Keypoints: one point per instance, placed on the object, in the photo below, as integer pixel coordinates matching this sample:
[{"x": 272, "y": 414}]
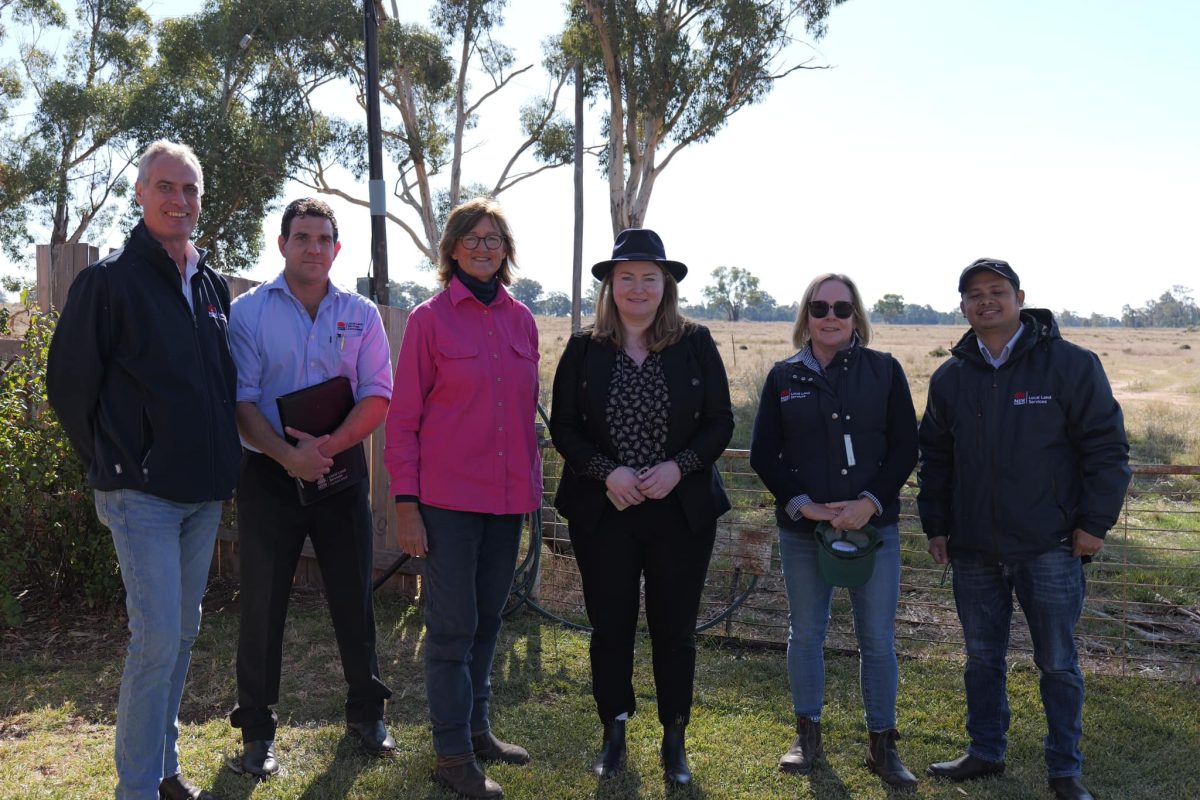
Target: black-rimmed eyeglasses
[
  {"x": 819, "y": 309},
  {"x": 491, "y": 241}
]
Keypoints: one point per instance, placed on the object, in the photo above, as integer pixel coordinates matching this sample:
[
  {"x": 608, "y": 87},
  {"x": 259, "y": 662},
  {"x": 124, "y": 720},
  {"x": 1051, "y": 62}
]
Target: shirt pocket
[
  {"x": 456, "y": 362},
  {"x": 523, "y": 368}
]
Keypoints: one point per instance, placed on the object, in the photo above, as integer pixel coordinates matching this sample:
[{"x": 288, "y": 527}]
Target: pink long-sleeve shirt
[{"x": 460, "y": 428}]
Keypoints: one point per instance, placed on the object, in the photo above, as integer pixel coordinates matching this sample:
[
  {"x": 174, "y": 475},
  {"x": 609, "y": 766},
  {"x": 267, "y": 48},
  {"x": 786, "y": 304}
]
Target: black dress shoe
[
  {"x": 257, "y": 759},
  {"x": 1070, "y": 788},
  {"x": 374, "y": 737},
  {"x": 964, "y": 769},
  {"x": 178, "y": 787}
]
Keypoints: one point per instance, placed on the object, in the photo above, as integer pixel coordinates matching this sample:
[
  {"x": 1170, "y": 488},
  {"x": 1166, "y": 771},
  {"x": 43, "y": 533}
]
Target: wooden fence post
[{"x": 53, "y": 281}]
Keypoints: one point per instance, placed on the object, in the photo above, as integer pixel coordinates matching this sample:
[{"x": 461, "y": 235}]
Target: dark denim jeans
[
  {"x": 468, "y": 575},
  {"x": 1050, "y": 588}
]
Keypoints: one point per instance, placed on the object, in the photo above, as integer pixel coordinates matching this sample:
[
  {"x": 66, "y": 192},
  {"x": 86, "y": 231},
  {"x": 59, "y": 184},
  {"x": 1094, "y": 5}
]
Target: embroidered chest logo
[
  {"x": 216, "y": 314},
  {"x": 346, "y": 327},
  {"x": 787, "y": 394},
  {"x": 1030, "y": 399}
]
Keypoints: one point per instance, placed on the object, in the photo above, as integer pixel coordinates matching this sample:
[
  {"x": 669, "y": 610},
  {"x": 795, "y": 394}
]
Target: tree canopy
[{"x": 673, "y": 73}]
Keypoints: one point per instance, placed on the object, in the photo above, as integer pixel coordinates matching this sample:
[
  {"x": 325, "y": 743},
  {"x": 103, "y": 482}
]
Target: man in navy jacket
[
  {"x": 1023, "y": 469},
  {"x": 142, "y": 379}
]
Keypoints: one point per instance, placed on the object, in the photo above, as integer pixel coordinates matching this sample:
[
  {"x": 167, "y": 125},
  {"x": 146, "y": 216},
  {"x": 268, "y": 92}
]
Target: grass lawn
[{"x": 58, "y": 690}]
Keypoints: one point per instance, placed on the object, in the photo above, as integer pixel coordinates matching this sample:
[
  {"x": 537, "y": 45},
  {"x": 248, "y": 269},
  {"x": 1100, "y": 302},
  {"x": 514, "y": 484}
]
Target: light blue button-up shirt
[{"x": 278, "y": 348}]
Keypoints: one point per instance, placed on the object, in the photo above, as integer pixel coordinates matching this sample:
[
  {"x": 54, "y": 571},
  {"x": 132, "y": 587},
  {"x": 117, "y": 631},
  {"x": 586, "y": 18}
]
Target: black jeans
[
  {"x": 651, "y": 540},
  {"x": 272, "y": 527}
]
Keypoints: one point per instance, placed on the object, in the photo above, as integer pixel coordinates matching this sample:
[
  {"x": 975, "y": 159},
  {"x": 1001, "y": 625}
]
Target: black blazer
[{"x": 700, "y": 420}]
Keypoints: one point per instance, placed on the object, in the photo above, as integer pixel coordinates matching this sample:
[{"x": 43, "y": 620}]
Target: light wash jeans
[
  {"x": 874, "y": 603},
  {"x": 1051, "y": 589},
  {"x": 164, "y": 549}
]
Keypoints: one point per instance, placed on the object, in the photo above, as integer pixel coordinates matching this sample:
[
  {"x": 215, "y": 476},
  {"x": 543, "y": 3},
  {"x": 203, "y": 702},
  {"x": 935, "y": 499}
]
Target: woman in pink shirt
[{"x": 465, "y": 468}]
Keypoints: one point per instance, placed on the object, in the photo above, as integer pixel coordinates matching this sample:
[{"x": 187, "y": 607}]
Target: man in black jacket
[
  {"x": 1024, "y": 466},
  {"x": 142, "y": 379}
]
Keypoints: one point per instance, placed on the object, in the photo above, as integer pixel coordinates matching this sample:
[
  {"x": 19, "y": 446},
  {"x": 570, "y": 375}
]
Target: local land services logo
[{"x": 1031, "y": 399}]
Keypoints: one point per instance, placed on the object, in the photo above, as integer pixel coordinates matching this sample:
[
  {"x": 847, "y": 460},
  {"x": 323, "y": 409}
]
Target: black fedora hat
[{"x": 640, "y": 244}]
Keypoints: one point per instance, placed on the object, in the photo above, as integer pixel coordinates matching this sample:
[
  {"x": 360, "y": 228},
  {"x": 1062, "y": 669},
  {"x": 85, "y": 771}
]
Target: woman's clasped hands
[{"x": 631, "y": 486}]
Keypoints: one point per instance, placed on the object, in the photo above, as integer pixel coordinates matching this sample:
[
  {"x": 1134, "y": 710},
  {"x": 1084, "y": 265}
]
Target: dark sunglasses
[{"x": 819, "y": 309}]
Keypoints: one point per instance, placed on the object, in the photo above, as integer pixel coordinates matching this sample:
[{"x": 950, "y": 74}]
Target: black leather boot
[
  {"x": 804, "y": 752},
  {"x": 884, "y": 760},
  {"x": 611, "y": 760},
  {"x": 674, "y": 758}
]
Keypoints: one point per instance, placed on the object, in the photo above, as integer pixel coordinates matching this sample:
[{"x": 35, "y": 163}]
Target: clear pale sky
[{"x": 1062, "y": 136}]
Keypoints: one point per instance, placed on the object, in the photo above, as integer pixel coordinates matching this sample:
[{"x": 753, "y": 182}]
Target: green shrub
[{"x": 51, "y": 544}]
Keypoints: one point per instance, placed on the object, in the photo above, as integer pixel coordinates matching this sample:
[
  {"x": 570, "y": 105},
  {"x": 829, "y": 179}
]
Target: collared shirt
[
  {"x": 190, "y": 269},
  {"x": 999, "y": 360},
  {"x": 278, "y": 348},
  {"x": 460, "y": 431},
  {"x": 809, "y": 359}
]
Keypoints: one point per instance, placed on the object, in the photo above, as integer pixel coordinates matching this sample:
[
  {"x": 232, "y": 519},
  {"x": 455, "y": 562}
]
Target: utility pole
[
  {"x": 372, "y": 10},
  {"x": 577, "y": 256}
]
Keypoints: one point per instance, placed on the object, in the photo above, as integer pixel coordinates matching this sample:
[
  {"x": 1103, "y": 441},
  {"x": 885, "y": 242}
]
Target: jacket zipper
[{"x": 212, "y": 466}]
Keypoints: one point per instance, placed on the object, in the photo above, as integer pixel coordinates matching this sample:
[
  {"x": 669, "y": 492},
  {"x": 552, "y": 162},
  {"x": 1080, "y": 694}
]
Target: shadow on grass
[{"x": 741, "y": 722}]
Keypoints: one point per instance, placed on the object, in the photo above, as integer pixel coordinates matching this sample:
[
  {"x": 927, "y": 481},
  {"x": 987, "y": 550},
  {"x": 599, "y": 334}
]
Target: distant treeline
[{"x": 1174, "y": 309}]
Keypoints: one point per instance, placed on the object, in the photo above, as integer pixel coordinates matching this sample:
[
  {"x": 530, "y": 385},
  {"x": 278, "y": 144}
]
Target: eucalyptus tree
[
  {"x": 236, "y": 81},
  {"x": 64, "y": 165},
  {"x": 673, "y": 72},
  {"x": 733, "y": 290},
  {"x": 434, "y": 81}
]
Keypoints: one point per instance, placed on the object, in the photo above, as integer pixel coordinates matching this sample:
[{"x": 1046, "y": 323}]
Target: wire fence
[{"x": 1142, "y": 614}]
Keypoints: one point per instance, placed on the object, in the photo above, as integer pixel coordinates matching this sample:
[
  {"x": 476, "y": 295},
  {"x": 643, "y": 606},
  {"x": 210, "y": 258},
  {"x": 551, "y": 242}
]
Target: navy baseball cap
[{"x": 995, "y": 265}]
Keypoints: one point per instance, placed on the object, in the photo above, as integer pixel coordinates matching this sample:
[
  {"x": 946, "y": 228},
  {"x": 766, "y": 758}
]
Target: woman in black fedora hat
[
  {"x": 834, "y": 440},
  {"x": 640, "y": 414}
]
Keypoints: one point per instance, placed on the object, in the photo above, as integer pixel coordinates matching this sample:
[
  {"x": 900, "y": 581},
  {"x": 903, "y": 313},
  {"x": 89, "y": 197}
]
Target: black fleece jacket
[{"x": 143, "y": 385}]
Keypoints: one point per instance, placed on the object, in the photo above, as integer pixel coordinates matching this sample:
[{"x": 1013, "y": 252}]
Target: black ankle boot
[
  {"x": 884, "y": 760},
  {"x": 611, "y": 760},
  {"x": 674, "y": 759}
]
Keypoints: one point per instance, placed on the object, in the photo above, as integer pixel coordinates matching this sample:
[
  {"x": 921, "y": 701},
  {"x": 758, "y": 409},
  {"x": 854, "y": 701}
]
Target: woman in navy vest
[{"x": 834, "y": 440}]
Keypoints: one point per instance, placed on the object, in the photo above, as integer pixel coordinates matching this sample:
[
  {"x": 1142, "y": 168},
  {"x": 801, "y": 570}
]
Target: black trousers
[
  {"x": 272, "y": 527},
  {"x": 651, "y": 540}
]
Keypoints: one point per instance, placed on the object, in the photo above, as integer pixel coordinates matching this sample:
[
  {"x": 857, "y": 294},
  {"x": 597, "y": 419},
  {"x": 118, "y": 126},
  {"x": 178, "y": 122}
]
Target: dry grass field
[{"x": 1155, "y": 373}]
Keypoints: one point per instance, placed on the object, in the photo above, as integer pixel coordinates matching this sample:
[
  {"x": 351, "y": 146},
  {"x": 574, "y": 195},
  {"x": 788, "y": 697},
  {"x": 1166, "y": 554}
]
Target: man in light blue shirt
[{"x": 295, "y": 331}]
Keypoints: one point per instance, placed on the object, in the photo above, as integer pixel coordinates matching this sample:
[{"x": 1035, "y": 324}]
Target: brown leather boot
[
  {"x": 461, "y": 773},
  {"x": 489, "y": 748},
  {"x": 804, "y": 752},
  {"x": 884, "y": 760}
]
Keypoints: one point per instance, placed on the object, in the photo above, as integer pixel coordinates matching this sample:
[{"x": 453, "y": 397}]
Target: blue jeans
[
  {"x": 874, "y": 603},
  {"x": 164, "y": 549},
  {"x": 1050, "y": 588},
  {"x": 468, "y": 575}
]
